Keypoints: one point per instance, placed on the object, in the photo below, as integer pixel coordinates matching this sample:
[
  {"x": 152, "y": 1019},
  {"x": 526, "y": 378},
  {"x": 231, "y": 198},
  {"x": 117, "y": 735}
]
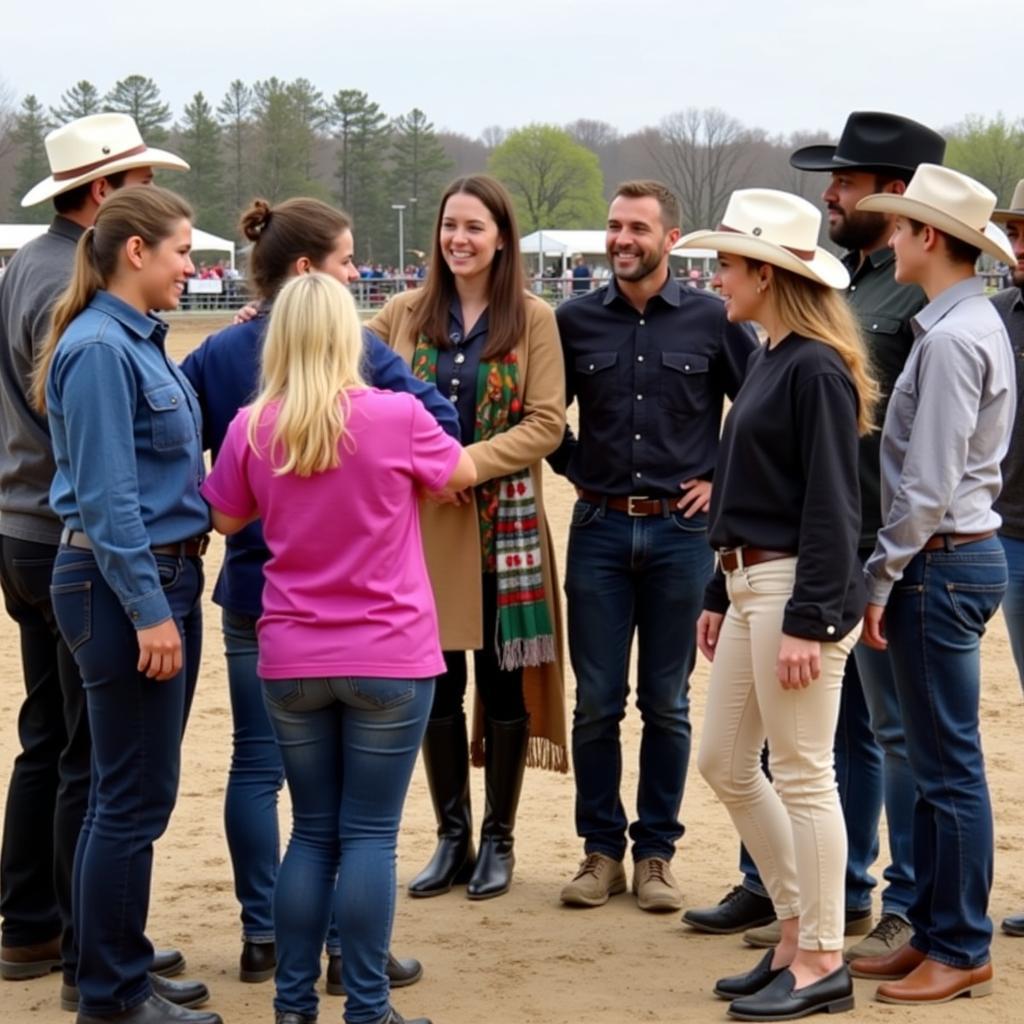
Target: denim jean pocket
[
  {"x": 72, "y": 608},
  {"x": 169, "y": 570},
  {"x": 696, "y": 524},
  {"x": 975, "y": 603},
  {"x": 584, "y": 513},
  {"x": 383, "y": 693},
  {"x": 282, "y": 693}
]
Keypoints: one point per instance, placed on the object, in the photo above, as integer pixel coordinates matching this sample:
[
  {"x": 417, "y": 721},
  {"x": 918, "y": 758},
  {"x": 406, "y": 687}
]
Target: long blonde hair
[
  {"x": 312, "y": 355},
  {"x": 151, "y": 213},
  {"x": 817, "y": 311}
]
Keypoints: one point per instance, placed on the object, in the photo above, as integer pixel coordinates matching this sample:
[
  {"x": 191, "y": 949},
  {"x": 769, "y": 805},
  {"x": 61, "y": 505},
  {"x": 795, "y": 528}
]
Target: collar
[
  {"x": 142, "y": 325},
  {"x": 945, "y": 302},
  {"x": 671, "y": 291},
  {"x": 455, "y": 313},
  {"x": 66, "y": 228},
  {"x": 877, "y": 259}
]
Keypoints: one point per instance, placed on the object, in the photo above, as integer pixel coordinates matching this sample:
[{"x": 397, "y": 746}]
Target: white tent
[
  {"x": 563, "y": 245},
  {"x": 14, "y": 236}
]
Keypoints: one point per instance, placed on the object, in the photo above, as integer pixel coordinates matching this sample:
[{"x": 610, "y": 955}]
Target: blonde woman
[
  {"x": 348, "y": 647},
  {"x": 784, "y": 608}
]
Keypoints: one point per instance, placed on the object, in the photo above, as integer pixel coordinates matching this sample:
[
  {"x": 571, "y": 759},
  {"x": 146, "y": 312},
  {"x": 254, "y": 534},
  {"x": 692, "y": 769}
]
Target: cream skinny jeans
[{"x": 794, "y": 831}]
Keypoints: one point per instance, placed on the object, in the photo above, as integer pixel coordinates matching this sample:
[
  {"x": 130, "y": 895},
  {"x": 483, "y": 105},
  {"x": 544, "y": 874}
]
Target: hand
[
  {"x": 873, "y": 634},
  {"x": 160, "y": 650},
  {"x": 708, "y": 627},
  {"x": 798, "y": 663},
  {"x": 246, "y": 313},
  {"x": 446, "y": 496},
  {"x": 696, "y": 497}
]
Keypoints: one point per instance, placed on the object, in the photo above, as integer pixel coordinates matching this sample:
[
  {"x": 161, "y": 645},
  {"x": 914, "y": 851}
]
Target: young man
[
  {"x": 651, "y": 362},
  {"x": 938, "y": 572},
  {"x": 89, "y": 159},
  {"x": 1009, "y": 304},
  {"x": 877, "y": 152}
]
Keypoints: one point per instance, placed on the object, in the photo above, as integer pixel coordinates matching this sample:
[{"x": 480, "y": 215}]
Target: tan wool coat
[{"x": 451, "y": 535}]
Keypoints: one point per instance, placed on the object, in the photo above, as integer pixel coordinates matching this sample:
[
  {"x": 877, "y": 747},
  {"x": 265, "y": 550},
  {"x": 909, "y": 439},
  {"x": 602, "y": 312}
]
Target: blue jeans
[
  {"x": 1013, "y": 603},
  {"x": 137, "y": 725},
  {"x": 627, "y": 575},
  {"x": 349, "y": 747},
  {"x": 934, "y": 621}
]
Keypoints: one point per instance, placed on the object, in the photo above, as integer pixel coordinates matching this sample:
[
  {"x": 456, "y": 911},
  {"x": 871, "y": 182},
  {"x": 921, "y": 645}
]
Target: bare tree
[
  {"x": 703, "y": 155},
  {"x": 493, "y": 136},
  {"x": 7, "y": 116},
  {"x": 595, "y": 135}
]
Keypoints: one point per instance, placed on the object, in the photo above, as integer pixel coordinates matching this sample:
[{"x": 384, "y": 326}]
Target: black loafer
[
  {"x": 739, "y": 985},
  {"x": 155, "y": 1011},
  {"x": 178, "y": 993},
  {"x": 781, "y": 1000},
  {"x": 1014, "y": 925},
  {"x": 737, "y": 911},
  {"x": 400, "y": 973},
  {"x": 258, "y": 962},
  {"x": 168, "y": 963}
]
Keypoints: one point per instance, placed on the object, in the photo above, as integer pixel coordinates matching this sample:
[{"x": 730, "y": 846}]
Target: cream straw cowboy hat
[
  {"x": 94, "y": 147},
  {"x": 774, "y": 227},
  {"x": 1016, "y": 210},
  {"x": 950, "y": 201}
]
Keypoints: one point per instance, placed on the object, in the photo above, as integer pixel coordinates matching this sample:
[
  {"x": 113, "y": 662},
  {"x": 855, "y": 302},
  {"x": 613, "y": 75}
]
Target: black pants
[
  {"x": 500, "y": 691},
  {"x": 49, "y": 785}
]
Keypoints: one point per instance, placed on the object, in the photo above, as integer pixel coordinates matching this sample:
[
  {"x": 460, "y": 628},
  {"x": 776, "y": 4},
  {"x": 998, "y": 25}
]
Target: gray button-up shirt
[{"x": 946, "y": 431}]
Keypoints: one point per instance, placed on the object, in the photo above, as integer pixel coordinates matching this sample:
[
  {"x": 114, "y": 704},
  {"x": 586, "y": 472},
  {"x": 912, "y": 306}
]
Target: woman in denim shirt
[{"x": 128, "y": 577}]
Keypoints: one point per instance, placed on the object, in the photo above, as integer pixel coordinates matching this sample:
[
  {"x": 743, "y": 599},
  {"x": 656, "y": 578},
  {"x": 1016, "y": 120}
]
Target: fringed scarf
[{"x": 507, "y": 512}]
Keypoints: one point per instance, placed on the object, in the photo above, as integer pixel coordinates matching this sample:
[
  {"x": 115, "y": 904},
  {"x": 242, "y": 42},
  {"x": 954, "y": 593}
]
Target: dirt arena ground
[{"x": 524, "y": 957}]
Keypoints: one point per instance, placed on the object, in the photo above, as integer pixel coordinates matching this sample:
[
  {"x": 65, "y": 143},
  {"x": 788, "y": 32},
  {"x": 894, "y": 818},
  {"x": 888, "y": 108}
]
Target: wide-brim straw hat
[
  {"x": 94, "y": 147},
  {"x": 1016, "y": 210},
  {"x": 777, "y": 228},
  {"x": 950, "y": 201}
]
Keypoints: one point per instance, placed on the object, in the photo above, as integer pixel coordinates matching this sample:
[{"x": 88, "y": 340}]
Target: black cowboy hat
[{"x": 875, "y": 141}]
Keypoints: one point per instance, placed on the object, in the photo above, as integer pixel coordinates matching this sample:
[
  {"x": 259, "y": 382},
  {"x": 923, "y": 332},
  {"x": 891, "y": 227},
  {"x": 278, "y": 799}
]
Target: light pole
[{"x": 400, "y": 207}]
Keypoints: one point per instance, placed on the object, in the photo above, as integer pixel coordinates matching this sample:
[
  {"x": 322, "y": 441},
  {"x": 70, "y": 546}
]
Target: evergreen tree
[
  {"x": 30, "y": 128},
  {"x": 81, "y": 100},
  {"x": 139, "y": 97},
  {"x": 312, "y": 116},
  {"x": 235, "y": 117},
  {"x": 419, "y": 166},
  {"x": 282, "y": 137},
  {"x": 200, "y": 146}
]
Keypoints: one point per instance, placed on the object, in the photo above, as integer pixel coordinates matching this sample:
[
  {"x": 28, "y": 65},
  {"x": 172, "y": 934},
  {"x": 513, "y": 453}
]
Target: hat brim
[
  {"x": 156, "y": 158},
  {"x": 823, "y": 267},
  {"x": 823, "y": 158},
  {"x": 990, "y": 240},
  {"x": 1002, "y": 216}
]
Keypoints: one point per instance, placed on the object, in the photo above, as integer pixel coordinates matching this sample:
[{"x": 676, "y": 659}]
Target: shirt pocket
[
  {"x": 684, "y": 385},
  {"x": 595, "y": 381},
  {"x": 902, "y": 407},
  {"x": 169, "y": 414}
]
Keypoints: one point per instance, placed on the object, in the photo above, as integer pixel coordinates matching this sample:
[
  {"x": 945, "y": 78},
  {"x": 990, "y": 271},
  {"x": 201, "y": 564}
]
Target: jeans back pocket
[{"x": 72, "y": 608}]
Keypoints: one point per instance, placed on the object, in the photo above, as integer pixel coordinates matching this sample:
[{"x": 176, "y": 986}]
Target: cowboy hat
[
  {"x": 875, "y": 141},
  {"x": 1016, "y": 210},
  {"x": 95, "y": 147},
  {"x": 774, "y": 227},
  {"x": 950, "y": 201}
]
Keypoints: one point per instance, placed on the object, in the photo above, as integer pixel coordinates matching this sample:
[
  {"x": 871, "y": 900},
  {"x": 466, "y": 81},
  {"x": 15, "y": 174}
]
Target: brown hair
[
  {"x": 506, "y": 288},
  {"x": 957, "y": 249},
  {"x": 285, "y": 233},
  {"x": 74, "y": 199},
  {"x": 671, "y": 215},
  {"x": 146, "y": 211}
]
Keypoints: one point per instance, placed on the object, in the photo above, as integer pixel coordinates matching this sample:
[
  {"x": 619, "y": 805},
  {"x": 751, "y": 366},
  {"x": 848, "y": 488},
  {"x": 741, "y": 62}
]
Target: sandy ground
[{"x": 523, "y": 957}]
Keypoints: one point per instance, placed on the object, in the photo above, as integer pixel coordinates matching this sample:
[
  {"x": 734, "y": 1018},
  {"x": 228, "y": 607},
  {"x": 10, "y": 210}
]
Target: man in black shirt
[{"x": 651, "y": 363}]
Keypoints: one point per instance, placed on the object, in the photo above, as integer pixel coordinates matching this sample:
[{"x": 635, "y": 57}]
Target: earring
[{"x": 761, "y": 288}]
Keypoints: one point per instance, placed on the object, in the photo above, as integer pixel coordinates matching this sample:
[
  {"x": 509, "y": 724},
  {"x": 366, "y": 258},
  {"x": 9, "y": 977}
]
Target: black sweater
[{"x": 787, "y": 481}]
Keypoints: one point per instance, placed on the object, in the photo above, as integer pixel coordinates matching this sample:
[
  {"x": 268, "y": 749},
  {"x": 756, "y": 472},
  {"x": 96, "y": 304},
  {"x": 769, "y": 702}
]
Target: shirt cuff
[
  {"x": 878, "y": 590},
  {"x": 148, "y": 610},
  {"x": 808, "y": 627}
]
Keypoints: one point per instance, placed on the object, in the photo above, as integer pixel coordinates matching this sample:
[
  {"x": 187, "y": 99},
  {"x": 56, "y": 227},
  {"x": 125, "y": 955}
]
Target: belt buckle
[
  {"x": 737, "y": 553},
  {"x": 629, "y": 505},
  {"x": 204, "y": 543}
]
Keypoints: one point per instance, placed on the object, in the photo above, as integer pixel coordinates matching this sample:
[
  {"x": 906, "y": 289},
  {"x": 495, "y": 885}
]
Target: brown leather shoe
[
  {"x": 932, "y": 982},
  {"x": 890, "y": 967},
  {"x": 20, "y": 962}
]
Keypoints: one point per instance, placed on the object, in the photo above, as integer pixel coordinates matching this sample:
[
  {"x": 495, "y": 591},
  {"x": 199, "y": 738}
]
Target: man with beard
[
  {"x": 651, "y": 362},
  {"x": 1009, "y": 304},
  {"x": 877, "y": 152}
]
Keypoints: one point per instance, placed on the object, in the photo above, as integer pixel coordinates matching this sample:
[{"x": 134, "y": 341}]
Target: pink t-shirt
[{"x": 346, "y": 591}]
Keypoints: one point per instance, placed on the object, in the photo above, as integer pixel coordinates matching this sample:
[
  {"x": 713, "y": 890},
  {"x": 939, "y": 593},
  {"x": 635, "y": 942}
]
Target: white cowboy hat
[
  {"x": 774, "y": 227},
  {"x": 93, "y": 147},
  {"x": 950, "y": 201},
  {"x": 1016, "y": 210}
]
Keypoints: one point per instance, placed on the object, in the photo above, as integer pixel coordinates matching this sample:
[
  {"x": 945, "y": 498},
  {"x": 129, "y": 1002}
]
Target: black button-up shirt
[
  {"x": 461, "y": 363},
  {"x": 650, "y": 385},
  {"x": 1009, "y": 304}
]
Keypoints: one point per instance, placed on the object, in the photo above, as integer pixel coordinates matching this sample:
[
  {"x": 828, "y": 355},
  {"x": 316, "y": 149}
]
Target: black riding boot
[
  {"x": 446, "y": 759},
  {"x": 504, "y": 761}
]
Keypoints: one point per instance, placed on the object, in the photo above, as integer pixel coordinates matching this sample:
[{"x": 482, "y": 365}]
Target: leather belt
[
  {"x": 739, "y": 558},
  {"x": 634, "y": 505},
  {"x": 194, "y": 547},
  {"x": 952, "y": 541}
]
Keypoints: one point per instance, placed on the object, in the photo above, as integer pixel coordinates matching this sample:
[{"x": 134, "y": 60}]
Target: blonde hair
[
  {"x": 817, "y": 311},
  {"x": 312, "y": 355},
  {"x": 146, "y": 211}
]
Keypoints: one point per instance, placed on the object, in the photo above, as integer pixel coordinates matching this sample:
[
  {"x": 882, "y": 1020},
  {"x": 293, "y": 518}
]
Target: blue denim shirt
[{"x": 126, "y": 431}]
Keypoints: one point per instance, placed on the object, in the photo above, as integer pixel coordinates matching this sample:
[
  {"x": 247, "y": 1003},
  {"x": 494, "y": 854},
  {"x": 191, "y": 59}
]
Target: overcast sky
[{"x": 782, "y": 66}]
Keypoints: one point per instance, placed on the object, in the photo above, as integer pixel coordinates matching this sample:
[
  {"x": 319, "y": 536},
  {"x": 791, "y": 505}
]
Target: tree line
[{"x": 277, "y": 138}]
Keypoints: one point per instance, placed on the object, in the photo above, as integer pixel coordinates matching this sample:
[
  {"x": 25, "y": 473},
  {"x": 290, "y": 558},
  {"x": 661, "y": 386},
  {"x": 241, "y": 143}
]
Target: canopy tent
[
  {"x": 14, "y": 236},
  {"x": 563, "y": 245}
]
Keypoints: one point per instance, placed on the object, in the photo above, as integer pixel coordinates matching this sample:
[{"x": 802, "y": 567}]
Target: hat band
[
  {"x": 75, "y": 172},
  {"x": 804, "y": 254}
]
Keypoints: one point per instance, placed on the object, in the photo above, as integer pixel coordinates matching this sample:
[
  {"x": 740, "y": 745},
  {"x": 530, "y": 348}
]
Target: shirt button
[
  {"x": 636, "y": 437},
  {"x": 642, "y": 322},
  {"x": 174, "y": 401},
  {"x": 874, "y": 327},
  {"x": 830, "y": 630},
  {"x": 639, "y": 359},
  {"x": 135, "y": 615},
  {"x": 686, "y": 366},
  {"x": 639, "y": 398},
  {"x": 853, "y": 287},
  {"x": 590, "y": 366},
  {"x": 638, "y": 475}
]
